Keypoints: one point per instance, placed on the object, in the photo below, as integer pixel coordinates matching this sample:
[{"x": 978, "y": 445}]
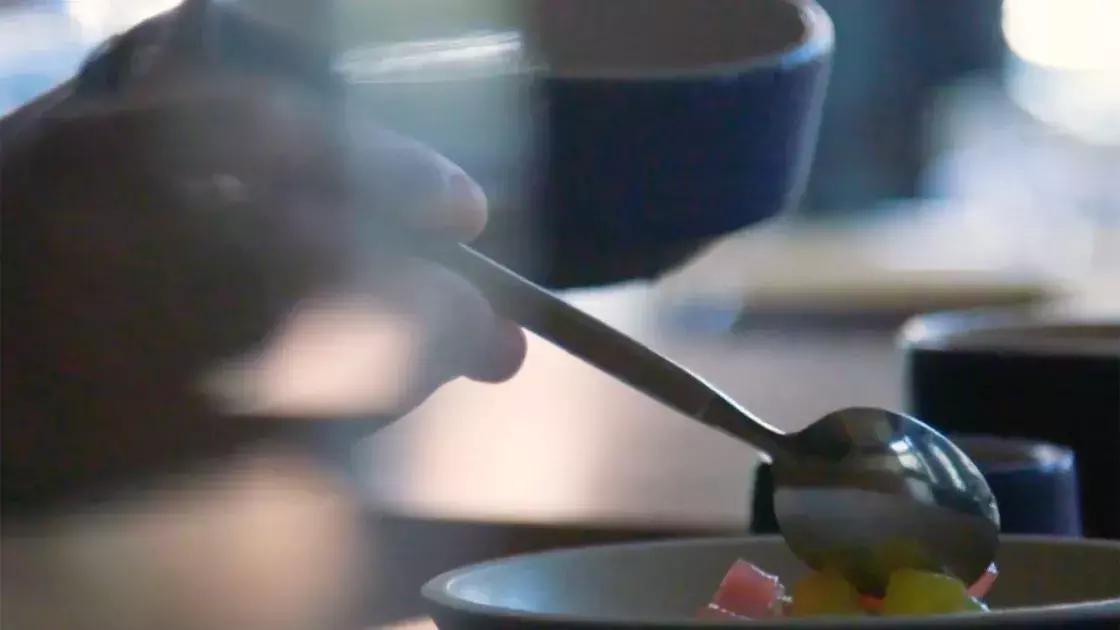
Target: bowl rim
[
  {"x": 1014, "y": 332},
  {"x": 817, "y": 41},
  {"x": 437, "y": 593}
]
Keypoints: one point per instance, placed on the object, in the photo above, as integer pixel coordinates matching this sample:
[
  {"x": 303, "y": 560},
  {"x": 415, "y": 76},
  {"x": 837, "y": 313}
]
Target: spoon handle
[{"x": 606, "y": 348}]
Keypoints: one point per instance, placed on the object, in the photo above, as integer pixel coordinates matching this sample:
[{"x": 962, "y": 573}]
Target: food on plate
[
  {"x": 747, "y": 592},
  {"x": 824, "y": 593},
  {"x": 912, "y": 592}
]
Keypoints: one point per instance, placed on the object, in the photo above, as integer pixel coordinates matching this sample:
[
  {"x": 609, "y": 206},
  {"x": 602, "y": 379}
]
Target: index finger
[{"x": 281, "y": 141}]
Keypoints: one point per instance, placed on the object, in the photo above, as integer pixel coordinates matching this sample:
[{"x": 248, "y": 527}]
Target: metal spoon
[{"x": 862, "y": 491}]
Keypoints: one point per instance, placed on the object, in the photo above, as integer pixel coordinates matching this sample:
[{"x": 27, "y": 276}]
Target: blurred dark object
[
  {"x": 564, "y": 259},
  {"x": 710, "y": 128},
  {"x": 636, "y": 130},
  {"x": 763, "y": 519},
  {"x": 892, "y": 59},
  {"x": 1054, "y": 382},
  {"x": 1035, "y": 484}
]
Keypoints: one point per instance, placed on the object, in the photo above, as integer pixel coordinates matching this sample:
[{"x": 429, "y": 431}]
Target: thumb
[{"x": 372, "y": 354}]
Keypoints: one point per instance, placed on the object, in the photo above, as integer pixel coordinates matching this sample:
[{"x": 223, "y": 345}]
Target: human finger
[
  {"x": 205, "y": 107},
  {"x": 375, "y": 350}
]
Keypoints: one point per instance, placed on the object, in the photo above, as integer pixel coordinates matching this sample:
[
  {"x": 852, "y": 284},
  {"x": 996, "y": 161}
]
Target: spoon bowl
[{"x": 868, "y": 491}]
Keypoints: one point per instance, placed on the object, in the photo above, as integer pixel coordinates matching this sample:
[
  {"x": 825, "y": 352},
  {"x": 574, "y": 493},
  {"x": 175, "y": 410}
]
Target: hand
[{"x": 192, "y": 252}]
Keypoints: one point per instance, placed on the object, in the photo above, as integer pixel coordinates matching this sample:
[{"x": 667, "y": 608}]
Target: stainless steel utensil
[{"x": 862, "y": 490}]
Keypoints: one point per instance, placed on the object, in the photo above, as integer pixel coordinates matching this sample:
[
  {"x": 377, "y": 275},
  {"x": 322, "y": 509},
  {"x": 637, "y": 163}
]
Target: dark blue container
[
  {"x": 666, "y": 124},
  {"x": 1035, "y": 484}
]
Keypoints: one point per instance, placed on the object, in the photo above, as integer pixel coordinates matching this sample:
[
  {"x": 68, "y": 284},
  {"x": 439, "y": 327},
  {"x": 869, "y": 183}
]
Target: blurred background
[
  {"x": 972, "y": 141},
  {"x": 969, "y": 157},
  {"x": 941, "y": 119}
]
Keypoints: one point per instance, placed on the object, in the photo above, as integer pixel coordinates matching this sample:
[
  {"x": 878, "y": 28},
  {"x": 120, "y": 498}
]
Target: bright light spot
[
  {"x": 1067, "y": 67},
  {"x": 100, "y": 18},
  {"x": 429, "y": 60},
  {"x": 1064, "y": 34}
]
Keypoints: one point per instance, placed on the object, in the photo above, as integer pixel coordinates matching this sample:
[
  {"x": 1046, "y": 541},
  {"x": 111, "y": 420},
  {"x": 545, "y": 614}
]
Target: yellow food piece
[
  {"x": 824, "y": 593},
  {"x": 912, "y": 592}
]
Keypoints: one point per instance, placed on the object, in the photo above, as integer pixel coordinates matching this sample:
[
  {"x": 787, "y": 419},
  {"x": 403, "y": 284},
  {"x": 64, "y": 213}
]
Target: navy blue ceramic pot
[
  {"x": 674, "y": 122},
  {"x": 1050, "y": 375},
  {"x": 616, "y": 137}
]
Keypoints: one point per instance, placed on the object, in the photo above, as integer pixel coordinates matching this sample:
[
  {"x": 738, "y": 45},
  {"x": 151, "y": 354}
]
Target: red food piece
[
  {"x": 984, "y": 584},
  {"x": 871, "y": 604},
  {"x": 749, "y": 592}
]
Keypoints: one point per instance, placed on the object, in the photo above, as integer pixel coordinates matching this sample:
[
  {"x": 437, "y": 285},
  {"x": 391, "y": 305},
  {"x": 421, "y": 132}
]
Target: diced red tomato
[
  {"x": 749, "y": 592},
  {"x": 984, "y": 584}
]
